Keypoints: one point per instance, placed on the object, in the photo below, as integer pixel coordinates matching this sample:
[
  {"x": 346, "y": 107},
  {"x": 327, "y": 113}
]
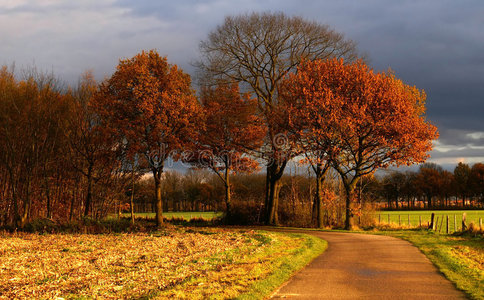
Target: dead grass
[{"x": 193, "y": 263}]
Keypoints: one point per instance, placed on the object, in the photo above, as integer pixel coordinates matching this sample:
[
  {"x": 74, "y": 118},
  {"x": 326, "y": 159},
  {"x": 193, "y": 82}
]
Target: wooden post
[
  {"x": 388, "y": 218},
  {"x": 399, "y": 220},
  {"x": 436, "y": 224},
  {"x": 480, "y": 224},
  {"x": 455, "y": 223},
  {"x": 464, "y": 226},
  {"x": 409, "y": 220},
  {"x": 420, "y": 220},
  {"x": 441, "y": 223},
  {"x": 431, "y": 226},
  {"x": 379, "y": 219},
  {"x": 447, "y": 225}
]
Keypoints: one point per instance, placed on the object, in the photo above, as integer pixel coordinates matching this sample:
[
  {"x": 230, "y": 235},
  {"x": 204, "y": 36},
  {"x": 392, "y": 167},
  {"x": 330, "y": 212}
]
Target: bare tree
[{"x": 258, "y": 50}]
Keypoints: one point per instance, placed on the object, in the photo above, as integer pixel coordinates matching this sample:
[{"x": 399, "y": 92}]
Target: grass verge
[
  {"x": 253, "y": 272},
  {"x": 459, "y": 258},
  {"x": 284, "y": 267}
]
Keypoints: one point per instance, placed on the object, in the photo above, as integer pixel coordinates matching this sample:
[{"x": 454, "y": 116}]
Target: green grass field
[
  {"x": 207, "y": 215},
  {"x": 415, "y": 216}
]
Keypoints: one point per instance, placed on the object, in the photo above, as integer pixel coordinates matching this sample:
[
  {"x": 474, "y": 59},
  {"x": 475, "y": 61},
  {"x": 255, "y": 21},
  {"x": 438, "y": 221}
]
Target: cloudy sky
[{"x": 436, "y": 45}]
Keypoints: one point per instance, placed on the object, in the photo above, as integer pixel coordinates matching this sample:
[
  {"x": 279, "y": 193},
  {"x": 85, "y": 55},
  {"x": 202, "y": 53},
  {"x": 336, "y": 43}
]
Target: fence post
[
  {"x": 455, "y": 223},
  {"x": 409, "y": 220},
  {"x": 379, "y": 219},
  {"x": 447, "y": 225},
  {"x": 436, "y": 224},
  {"x": 399, "y": 220},
  {"x": 432, "y": 216},
  {"x": 420, "y": 220},
  {"x": 441, "y": 223},
  {"x": 464, "y": 226},
  {"x": 388, "y": 218},
  {"x": 480, "y": 224}
]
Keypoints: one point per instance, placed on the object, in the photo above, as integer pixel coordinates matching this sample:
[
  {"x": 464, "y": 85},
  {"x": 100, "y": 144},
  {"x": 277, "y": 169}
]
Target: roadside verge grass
[
  {"x": 459, "y": 258},
  {"x": 284, "y": 267},
  {"x": 254, "y": 272}
]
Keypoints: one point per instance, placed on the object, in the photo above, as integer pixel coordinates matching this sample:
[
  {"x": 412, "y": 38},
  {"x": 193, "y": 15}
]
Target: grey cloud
[{"x": 437, "y": 45}]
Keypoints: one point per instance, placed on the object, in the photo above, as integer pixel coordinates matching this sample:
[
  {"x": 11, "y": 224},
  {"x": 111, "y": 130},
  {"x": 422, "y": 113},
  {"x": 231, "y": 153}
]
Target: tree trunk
[
  {"x": 319, "y": 200},
  {"x": 49, "y": 209},
  {"x": 349, "y": 221},
  {"x": 15, "y": 204},
  {"x": 47, "y": 195},
  {"x": 73, "y": 199},
  {"x": 429, "y": 201},
  {"x": 272, "y": 217},
  {"x": 228, "y": 203},
  {"x": 158, "y": 200},
  {"x": 273, "y": 186},
  {"x": 89, "y": 191},
  {"x": 27, "y": 206},
  {"x": 320, "y": 177},
  {"x": 131, "y": 199}
]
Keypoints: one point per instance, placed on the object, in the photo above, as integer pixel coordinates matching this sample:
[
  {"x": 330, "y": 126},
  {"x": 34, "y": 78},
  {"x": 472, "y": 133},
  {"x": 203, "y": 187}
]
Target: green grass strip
[{"x": 285, "y": 267}]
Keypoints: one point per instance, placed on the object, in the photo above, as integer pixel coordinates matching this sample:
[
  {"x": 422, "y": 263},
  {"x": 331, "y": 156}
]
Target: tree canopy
[
  {"x": 151, "y": 106},
  {"x": 357, "y": 119},
  {"x": 258, "y": 50}
]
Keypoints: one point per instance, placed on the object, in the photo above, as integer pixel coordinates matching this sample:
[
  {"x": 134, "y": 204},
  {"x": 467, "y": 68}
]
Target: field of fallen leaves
[{"x": 178, "y": 262}]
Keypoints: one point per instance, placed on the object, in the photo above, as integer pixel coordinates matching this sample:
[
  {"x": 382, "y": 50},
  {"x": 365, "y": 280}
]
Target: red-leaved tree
[
  {"x": 232, "y": 127},
  {"x": 151, "y": 107},
  {"x": 357, "y": 119}
]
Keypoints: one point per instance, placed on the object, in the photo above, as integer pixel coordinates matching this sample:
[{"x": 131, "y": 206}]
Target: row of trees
[
  {"x": 199, "y": 190},
  {"x": 432, "y": 186},
  {"x": 54, "y": 160},
  {"x": 273, "y": 89}
]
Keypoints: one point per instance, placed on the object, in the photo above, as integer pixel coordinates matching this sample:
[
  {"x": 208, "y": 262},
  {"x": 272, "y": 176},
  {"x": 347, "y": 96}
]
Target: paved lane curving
[{"x": 366, "y": 266}]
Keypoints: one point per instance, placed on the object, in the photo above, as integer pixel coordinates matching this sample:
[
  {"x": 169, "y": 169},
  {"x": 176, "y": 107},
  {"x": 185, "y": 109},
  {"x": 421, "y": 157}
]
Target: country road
[{"x": 368, "y": 266}]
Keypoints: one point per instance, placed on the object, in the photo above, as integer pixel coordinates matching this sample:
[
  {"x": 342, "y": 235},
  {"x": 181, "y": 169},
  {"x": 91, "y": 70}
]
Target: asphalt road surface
[{"x": 362, "y": 266}]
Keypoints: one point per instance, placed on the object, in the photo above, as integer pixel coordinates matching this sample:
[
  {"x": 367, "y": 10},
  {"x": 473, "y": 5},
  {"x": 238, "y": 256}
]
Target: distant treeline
[{"x": 431, "y": 187}]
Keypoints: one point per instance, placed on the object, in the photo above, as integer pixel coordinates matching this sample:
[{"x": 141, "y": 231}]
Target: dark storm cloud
[{"x": 436, "y": 45}]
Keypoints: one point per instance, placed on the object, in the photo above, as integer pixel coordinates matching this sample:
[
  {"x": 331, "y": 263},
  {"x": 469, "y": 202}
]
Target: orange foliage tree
[
  {"x": 151, "y": 107},
  {"x": 357, "y": 119},
  {"x": 231, "y": 128}
]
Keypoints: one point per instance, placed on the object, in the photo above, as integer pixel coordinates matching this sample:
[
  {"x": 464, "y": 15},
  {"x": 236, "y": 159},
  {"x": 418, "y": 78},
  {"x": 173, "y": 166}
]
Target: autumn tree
[
  {"x": 31, "y": 121},
  {"x": 258, "y": 50},
  {"x": 393, "y": 186},
  {"x": 429, "y": 181},
  {"x": 476, "y": 182},
  {"x": 462, "y": 175},
  {"x": 151, "y": 107},
  {"x": 231, "y": 128},
  {"x": 361, "y": 120},
  {"x": 447, "y": 186}
]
